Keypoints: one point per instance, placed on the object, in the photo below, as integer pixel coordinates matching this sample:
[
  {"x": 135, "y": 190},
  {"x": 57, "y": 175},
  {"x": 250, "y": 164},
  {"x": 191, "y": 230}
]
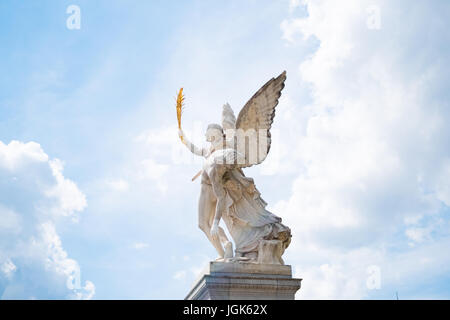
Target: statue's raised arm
[{"x": 192, "y": 147}]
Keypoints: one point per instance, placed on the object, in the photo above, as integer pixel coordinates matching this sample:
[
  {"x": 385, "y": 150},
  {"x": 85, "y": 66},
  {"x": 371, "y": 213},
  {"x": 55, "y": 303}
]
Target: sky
[{"x": 96, "y": 197}]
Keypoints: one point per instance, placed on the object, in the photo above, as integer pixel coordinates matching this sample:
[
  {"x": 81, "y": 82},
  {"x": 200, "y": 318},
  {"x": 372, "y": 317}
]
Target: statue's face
[{"x": 213, "y": 134}]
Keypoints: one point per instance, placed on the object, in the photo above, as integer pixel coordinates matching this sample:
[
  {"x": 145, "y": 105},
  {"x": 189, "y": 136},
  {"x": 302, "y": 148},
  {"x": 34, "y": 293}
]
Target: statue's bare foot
[
  {"x": 242, "y": 258},
  {"x": 220, "y": 259}
]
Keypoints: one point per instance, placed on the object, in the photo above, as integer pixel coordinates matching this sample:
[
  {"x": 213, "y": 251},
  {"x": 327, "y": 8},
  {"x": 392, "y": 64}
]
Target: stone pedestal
[{"x": 245, "y": 281}]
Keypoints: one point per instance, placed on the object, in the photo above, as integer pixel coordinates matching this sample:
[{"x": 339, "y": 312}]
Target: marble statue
[{"x": 227, "y": 194}]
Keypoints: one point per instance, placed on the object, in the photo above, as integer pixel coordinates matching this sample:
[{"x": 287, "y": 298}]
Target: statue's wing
[
  {"x": 228, "y": 118},
  {"x": 255, "y": 120}
]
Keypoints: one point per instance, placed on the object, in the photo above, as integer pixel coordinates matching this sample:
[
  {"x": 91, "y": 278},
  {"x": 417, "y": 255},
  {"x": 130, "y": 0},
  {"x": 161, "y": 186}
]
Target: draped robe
[{"x": 246, "y": 216}]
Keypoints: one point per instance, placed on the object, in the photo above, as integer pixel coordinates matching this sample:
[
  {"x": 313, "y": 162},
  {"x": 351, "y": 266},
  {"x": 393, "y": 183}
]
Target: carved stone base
[{"x": 245, "y": 281}]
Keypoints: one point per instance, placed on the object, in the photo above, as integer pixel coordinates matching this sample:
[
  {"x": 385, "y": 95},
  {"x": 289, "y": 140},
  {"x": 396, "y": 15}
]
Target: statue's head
[{"x": 214, "y": 132}]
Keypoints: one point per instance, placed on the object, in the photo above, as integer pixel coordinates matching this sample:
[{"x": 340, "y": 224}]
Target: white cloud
[
  {"x": 328, "y": 282},
  {"x": 71, "y": 199},
  {"x": 34, "y": 197},
  {"x": 418, "y": 234},
  {"x": 140, "y": 245},
  {"x": 12, "y": 154},
  {"x": 293, "y": 4},
  {"x": 179, "y": 275},
  {"x": 372, "y": 155},
  {"x": 8, "y": 268},
  {"x": 153, "y": 170},
  {"x": 87, "y": 292},
  {"x": 9, "y": 220},
  {"x": 119, "y": 185}
]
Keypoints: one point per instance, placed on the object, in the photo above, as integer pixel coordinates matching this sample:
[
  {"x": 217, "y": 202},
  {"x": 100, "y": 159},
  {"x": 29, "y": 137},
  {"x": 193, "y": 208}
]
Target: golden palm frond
[{"x": 180, "y": 105}]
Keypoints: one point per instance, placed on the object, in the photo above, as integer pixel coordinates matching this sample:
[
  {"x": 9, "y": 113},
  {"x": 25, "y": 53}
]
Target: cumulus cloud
[
  {"x": 34, "y": 197},
  {"x": 374, "y": 153}
]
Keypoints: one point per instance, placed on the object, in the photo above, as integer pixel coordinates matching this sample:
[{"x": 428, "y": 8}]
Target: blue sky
[{"x": 93, "y": 177}]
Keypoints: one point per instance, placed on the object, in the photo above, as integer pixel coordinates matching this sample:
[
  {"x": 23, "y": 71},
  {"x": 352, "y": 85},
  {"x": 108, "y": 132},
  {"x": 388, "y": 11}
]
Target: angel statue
[{"x": 226, "y": 193}]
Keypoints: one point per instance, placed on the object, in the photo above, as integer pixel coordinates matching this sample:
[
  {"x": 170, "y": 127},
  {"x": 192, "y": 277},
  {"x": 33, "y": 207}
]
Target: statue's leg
[
  {"x": 227, "y": 244},
  {"x": 206, "y": 210},
  {"x": 216, "y": 174}
]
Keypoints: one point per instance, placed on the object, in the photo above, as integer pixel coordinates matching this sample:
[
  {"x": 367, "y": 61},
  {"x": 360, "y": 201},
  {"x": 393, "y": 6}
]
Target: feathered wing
[
  {"x": 255, "y": 120},
  {"x": 228, "y": 118}
]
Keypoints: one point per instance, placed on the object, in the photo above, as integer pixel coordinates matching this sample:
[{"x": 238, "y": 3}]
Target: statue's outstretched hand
[{"x": 181, "y": 135}]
